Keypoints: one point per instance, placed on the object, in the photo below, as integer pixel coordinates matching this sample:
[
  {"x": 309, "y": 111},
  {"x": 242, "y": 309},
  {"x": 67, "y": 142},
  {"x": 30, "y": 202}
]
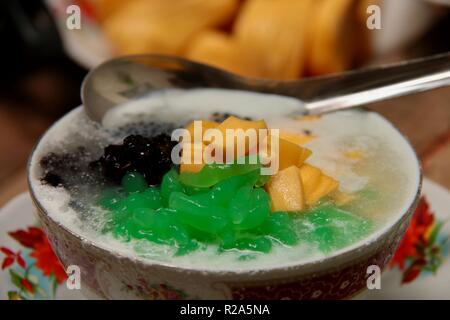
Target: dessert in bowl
[{"x": 338, "y": 198}]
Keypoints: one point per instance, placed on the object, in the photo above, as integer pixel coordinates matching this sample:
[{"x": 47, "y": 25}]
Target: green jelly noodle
[{"x": 225, "y": 205}]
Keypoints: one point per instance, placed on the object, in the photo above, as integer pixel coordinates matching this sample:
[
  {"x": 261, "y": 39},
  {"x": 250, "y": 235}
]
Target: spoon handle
[{"x": 357, "y": 88}]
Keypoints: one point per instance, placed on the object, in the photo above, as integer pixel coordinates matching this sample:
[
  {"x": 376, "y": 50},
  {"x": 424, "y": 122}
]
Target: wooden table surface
[{"x": 424, "y": 118}]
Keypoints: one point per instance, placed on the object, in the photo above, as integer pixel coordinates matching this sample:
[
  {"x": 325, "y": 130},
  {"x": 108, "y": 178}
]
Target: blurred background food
[
  {"x": 276, "y": 39},
  {"x": 304, "y": 37},
  {"x": 43, "y": 62}
]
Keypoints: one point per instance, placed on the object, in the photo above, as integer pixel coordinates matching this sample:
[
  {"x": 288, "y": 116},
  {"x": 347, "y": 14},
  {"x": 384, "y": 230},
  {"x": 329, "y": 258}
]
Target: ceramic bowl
[{"x": 111, "y": 275}]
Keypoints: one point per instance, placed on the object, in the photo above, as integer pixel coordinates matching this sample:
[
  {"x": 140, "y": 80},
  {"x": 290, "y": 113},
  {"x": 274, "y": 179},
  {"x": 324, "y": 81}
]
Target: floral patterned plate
[
  {"x": 419, "y": 270},
  {"x": 29, "y": 268}
]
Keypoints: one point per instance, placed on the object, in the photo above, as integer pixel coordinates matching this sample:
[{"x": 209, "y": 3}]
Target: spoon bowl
[{"x": 128, "y": 78}]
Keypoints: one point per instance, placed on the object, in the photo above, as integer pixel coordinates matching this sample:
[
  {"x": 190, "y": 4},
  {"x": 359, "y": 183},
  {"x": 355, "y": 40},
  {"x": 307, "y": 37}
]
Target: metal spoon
[{"x": 120, "y": 80}]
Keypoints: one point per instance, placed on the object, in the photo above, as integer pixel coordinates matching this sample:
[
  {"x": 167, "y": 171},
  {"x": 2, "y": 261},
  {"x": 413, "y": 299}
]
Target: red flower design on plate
[
  {"x": 27, "y": 285},
  {"x": 46, "y": 260},
  {"x": 28, "y": 237},
  {"x": 10, "y": 257},
  {"x": 419, "y": 249}
]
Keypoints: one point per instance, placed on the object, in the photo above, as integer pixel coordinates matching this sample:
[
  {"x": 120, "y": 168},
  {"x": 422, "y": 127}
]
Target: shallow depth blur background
[{"x": 43, "y": 62}]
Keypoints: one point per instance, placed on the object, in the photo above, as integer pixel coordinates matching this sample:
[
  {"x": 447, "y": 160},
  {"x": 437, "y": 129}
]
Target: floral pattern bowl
[{"x": 112, "y": 275}]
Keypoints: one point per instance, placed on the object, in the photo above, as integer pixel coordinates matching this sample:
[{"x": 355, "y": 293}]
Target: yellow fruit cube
[
  {"x": 235, "y": 124},
  {"x": 289, "y": 154},
  {"x": 326, "y": 186},
  {"x": 316, "y": 184},
  {"x": 205, "y": 125},
  {"x": 192, "y": 157},
  {"x": 292, "y": 154},
  {"x": 310, "y": 177},
  {"x": 286, "y": 190}
]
